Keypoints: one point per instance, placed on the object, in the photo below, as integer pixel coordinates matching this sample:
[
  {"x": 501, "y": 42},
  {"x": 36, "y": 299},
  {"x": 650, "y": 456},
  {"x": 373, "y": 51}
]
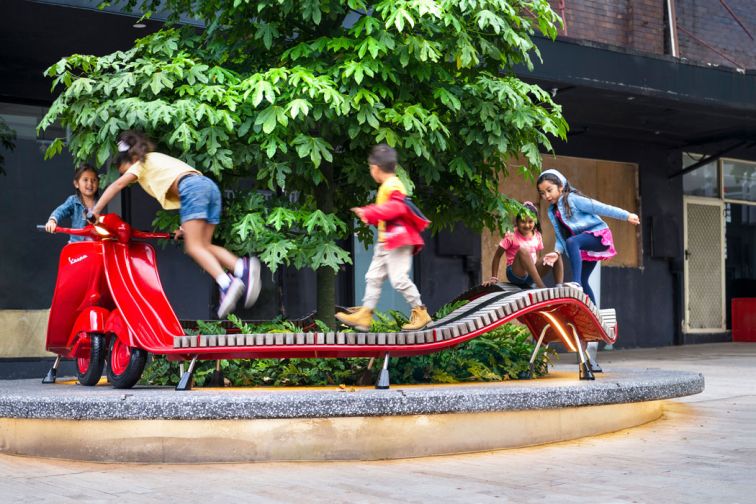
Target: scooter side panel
[
  {"x": 132, "y": 276},
  {"x": 80, "y": 285}
]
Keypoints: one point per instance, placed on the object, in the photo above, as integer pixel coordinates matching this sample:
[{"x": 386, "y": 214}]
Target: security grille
[{"x": 704, "y": 267}]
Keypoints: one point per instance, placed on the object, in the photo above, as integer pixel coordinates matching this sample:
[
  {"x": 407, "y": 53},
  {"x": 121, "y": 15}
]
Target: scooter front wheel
[
  {"x": 126, "y": 364},
  {"x": 90, "y": 367}
]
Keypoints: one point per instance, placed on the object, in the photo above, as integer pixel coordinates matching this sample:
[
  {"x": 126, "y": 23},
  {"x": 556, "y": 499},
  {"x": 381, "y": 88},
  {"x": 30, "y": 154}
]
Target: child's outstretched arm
[
  {"x": 387, "y": 211},
  {"x": 589, "y": 205},
  {"x": 113, "y": 189}
]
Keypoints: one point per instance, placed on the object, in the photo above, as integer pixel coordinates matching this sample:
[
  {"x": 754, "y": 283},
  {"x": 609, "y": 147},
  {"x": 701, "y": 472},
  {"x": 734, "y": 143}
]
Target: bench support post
[
  {"x": 585, "y": 368},
  {"x": 383, "y": 379},
  {"x": 187, "y": 378},
  {"x": 53, "y": 373}
]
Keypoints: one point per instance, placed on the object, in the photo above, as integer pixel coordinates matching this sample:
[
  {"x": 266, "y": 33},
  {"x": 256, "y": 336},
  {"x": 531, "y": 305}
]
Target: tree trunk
[{"x": 326, "y": 277}]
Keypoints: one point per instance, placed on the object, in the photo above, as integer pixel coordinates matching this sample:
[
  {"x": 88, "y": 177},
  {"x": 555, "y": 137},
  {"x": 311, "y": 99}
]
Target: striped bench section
[{"x": 478, "y": 314}]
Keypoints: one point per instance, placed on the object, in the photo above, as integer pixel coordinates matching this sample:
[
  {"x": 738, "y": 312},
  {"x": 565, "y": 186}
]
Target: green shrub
[{"x": 502, "y": 354}]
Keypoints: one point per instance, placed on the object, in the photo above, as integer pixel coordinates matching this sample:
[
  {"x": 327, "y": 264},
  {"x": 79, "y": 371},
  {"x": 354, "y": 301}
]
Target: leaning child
[
  {"x": 580, "y": 231},
  {"x": 176, "y": 185}
]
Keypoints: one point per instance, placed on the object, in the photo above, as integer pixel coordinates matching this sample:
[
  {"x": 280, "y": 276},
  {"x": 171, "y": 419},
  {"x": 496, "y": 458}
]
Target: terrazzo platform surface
[{"x": 561, "y": 389}]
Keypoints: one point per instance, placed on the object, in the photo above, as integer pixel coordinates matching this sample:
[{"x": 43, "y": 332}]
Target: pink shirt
[{"x": 512, "y": 242}]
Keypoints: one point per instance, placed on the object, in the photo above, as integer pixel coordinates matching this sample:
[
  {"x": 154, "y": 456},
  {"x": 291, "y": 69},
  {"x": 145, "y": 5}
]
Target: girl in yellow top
[{"x": 176, "y": 185}]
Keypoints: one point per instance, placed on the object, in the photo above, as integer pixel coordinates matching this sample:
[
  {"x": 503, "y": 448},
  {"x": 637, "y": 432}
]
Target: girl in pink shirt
[{"x": 521, "y": 248}]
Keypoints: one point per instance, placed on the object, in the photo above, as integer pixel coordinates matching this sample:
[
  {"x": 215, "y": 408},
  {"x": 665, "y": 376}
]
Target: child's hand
[
  {"x": 50, "y": 226},
  {"x": 491, "y": 281},
  {"x": 360, "y": 213},
  {"x": 633, "y": 219},
  {"x": 179, "y": 233},
  {"x": 550, "y": 259}
]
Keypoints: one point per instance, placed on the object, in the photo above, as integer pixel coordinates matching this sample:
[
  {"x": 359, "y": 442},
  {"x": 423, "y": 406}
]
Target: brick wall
[
  {"x": 634, "y": 24},
  {"x": 707, "y": 32},
  {"x": 712, "y": 24}
]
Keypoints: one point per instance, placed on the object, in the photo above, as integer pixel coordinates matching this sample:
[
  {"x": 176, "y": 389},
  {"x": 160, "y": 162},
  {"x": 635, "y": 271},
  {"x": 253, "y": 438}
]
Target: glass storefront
[
  {"x": 732, "y": 181},
  {"x": 738, "y": 180},
  {"x": 703, "y": 181}
]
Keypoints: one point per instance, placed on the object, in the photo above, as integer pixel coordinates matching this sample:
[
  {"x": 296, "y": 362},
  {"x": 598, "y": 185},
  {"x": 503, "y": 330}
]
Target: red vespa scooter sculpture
[{"x": 85, "y": 323}]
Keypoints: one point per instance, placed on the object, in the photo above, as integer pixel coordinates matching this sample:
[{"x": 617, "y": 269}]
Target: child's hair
[
  {"x": 81, "y": 170},
  {"x": 529, "y": 211},
  {"x": 567, "y": 189},
  {"x": 132, "y": 144},
  {"x": 384, "y": 157}
]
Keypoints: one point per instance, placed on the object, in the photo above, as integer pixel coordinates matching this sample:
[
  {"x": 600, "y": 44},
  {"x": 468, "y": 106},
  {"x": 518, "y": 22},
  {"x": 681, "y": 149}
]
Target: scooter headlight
[{"x": 101, "y": 231}]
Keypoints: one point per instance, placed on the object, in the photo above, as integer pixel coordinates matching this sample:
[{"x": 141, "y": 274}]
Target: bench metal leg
[
  {"x": 53, "y": 373},
  {"x": 531, "y": 365},
  {"x": 187, "y": 378},
  {"x": 383, "y": 379},
  {"x": 217, "y": 378},
  {"x": 592, "y": 352},
  {"x": 585, "y": 368}
]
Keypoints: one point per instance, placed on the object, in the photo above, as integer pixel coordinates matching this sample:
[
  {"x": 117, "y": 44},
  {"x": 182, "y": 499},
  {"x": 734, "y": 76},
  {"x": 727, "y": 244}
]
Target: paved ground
[{"x": 703, "y": 450}]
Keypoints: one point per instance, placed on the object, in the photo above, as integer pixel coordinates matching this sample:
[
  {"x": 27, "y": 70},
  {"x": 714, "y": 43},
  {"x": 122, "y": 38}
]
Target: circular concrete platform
[{"x": 69, "y": 421}]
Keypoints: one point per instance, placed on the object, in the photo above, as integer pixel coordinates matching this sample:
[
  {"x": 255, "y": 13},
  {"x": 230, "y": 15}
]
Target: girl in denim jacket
[
  {"x": 86, "y": 183},
  {"x": 580, "y": 232}
]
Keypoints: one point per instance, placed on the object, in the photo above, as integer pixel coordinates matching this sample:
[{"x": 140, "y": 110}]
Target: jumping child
[
  {"x": 399, "y": 225},
  {"x": 176, "y": 185},
  {"x": 86, "y": 183},
  {"x": 580, "y": 232},
  {"x": 521, "y": 248}
]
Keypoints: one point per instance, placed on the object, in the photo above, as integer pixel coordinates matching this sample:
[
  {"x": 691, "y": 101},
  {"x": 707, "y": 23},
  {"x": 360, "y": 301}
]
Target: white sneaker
[
  {"x": 251, "y": 279},
  {"x": 229, "y": 297}
]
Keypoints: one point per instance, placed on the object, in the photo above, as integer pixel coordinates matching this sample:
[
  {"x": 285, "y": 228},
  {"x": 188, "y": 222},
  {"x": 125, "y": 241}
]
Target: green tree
[{"x": 293, "y": 94}]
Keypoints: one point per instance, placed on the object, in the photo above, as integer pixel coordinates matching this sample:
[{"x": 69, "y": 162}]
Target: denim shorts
[
  {"x": 200, "y": 199},
  {"x": 524, "y": 282}
]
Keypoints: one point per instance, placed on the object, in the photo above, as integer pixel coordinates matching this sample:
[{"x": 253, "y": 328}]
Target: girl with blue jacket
[
  {"x": 86, "y": 183},
  {"x": 580, "y": 232}
]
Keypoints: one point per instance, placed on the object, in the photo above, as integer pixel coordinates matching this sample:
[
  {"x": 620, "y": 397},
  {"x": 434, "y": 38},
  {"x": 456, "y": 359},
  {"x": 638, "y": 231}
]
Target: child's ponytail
[{"x": 133, "y": 145}]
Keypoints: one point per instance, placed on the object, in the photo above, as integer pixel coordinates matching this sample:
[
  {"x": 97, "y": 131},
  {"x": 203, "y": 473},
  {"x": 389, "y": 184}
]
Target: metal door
[{"x": 704, "y": 265}]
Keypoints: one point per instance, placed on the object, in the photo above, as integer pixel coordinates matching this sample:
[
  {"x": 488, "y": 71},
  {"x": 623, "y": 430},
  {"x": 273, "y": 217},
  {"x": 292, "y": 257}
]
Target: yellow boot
[
  {"x": 419, "y": 318},
  {"x": 360, "y": 318}
]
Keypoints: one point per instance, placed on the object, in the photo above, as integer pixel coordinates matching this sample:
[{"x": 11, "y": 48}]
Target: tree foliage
[{"x": 278, "y": 90}]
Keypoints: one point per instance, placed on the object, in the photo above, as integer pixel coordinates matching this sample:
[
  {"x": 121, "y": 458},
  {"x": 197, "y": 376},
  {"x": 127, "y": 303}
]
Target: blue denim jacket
[
  {"x": 75, "y": 209},
  {"x": 585, "y": 217}
]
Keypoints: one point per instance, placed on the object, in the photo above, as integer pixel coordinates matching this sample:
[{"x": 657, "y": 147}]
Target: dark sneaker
[
  {"x": 229, "y": 297},
  {"x": 251, "y": 279}
]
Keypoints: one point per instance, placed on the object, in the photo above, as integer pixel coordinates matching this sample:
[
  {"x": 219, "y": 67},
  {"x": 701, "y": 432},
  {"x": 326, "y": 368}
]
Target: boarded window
[{"x": 607, "y": 181}]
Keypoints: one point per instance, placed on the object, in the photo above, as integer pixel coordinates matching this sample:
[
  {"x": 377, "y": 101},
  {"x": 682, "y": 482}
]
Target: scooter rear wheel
[
  {"x": 90, "y": 367},
  {"x": 126, "y": 364}
]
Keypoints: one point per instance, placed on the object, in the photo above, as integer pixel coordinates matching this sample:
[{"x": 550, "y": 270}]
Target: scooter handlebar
[
  {"x": 87, "y": 231},
  {"x": 71, "y": 231}
]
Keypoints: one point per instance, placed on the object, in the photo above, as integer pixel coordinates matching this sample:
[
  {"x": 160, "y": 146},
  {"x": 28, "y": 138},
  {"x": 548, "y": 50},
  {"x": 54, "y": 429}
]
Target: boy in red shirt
[{"x": 399, "y": 225}]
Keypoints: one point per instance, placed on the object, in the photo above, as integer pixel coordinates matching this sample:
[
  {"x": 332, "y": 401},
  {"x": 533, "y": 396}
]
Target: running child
[
  {"x": 176, "y": 185},
  {"x": 399, "y": 225},
  {"x": 580, "y": 232},
  {"x": 86, "y": 183},
  {"x": 521, "y": 248}
]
